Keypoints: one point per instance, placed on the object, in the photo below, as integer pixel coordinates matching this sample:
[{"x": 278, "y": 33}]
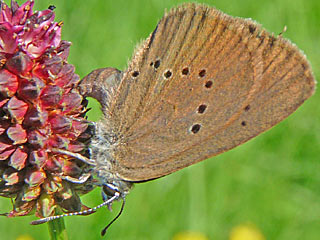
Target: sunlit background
[{"x": 268, "y": 188}]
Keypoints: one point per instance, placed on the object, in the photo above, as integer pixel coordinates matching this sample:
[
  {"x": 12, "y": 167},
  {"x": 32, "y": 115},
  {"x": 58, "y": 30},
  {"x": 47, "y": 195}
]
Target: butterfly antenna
[
  {"x": 103, "y": 232},
  {"x": 85, "y": 212}
]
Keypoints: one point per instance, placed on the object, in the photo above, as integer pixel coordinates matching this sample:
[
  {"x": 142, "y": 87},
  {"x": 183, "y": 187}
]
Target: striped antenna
[{"x": 85, "y": 212}]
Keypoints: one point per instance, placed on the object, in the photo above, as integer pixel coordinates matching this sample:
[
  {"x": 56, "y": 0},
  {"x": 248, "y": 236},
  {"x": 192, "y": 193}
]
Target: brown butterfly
[{"x": 201, "y": 84}]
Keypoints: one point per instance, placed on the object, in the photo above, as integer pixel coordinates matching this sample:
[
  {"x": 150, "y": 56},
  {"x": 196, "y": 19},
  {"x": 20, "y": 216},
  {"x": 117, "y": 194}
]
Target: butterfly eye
[{"x": 109, "y": 190}]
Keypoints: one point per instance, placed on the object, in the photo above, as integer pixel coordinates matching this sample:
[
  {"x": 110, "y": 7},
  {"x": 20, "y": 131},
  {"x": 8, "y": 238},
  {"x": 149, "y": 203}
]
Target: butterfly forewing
[{"x": 202, "y": 83}]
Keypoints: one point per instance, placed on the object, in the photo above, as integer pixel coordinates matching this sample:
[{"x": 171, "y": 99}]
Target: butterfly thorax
[{"x": 101, "y": 151}]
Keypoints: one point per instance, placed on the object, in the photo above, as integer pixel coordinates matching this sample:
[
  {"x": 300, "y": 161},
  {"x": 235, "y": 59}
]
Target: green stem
[{"x": 57, "y": 229}]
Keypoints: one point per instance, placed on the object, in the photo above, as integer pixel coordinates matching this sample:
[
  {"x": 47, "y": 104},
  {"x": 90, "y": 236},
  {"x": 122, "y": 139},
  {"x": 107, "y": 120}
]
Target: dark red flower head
[{"x": 41, "y": 112}]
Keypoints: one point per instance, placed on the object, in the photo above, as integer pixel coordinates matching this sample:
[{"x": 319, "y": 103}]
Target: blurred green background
[{"x": 272, "y": 182}]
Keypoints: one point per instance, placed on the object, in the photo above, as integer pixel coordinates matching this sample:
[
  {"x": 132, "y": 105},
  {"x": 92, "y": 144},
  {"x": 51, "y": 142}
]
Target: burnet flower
[{"x": 41, "y": 115}]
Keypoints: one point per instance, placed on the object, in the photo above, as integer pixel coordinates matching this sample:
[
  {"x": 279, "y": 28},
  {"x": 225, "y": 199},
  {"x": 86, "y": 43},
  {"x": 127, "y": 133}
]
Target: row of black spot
[
  {"x": 185, "y": 71},
  {"x": 196, "y": 127},
  {"x": 168, "y": 73},
  {"x": 247, "y": 108},
  {"x": 202, "y": 108},
  {"x": 202, "y": 74}
]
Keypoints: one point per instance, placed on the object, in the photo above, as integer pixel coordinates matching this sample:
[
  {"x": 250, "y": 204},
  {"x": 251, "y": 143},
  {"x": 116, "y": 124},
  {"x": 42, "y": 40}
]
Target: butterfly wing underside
[{"x": 201, "y": 84}]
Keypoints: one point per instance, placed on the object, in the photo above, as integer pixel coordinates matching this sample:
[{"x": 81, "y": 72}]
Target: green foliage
[{"x": 272, "y": 181}]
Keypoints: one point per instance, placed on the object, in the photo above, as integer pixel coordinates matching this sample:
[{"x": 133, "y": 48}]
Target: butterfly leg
[
  {"x": 82, "y": 179},
  {"x": 75, "y": 155}
]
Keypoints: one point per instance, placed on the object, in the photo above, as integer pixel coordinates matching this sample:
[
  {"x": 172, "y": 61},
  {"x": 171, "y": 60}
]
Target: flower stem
[{"x": 57, "y": 229}]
